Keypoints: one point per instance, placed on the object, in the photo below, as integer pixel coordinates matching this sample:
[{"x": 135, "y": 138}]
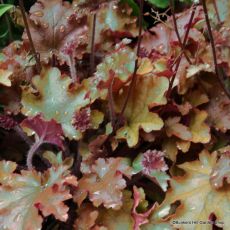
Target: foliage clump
[{"x": 114, "y": 115}]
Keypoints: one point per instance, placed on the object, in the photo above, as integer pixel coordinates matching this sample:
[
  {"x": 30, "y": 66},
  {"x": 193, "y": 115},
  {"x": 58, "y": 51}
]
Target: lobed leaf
[
  {"x": 47, "y": 131},
  {"x": 196, "y": 195},
  {"x": 23, "y": 196},
  {"x": 104, "y": 184},
  {"x": 149, "y": 92},
  {"x": 57, "y": 30},
  {"x": 56, "y": 100}
]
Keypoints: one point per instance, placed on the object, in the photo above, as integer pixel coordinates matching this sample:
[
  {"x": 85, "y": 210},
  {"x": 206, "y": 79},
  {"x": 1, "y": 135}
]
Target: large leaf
[
  {"x": 56, "y": 30},
  {"x": 149, "y": 92},
  {"x": 56, "y": 101},
  {"x": 24, "y": 195},
  {"x": 113, "y": 23},
  {"x": 104, "y": 184},
  {"x": 197, "y": 195}
]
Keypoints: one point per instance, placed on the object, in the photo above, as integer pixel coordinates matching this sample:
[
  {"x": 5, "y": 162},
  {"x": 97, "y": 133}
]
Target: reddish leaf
[
  {"x": 47, "y": 131},
  {"x": 57, "y": 30}
]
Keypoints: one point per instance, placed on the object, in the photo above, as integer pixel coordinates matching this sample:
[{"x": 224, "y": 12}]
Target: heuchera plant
[{"x": 114, "y": 115}]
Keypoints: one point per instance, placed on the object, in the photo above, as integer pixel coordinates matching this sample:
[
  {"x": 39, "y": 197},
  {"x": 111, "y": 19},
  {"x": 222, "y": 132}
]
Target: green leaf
[
  {"x": 56, "y": 100},
  {"x": 4, "y": 8},
  {"x": 159, "y": 3}
]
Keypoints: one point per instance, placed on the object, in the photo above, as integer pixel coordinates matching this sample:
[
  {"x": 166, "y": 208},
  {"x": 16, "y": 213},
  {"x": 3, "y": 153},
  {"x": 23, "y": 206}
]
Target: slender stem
[
  {"x": 111, "y": 100},
  {"x": 217, "y": 12},
  {"x": 177, "y": 31},
  {"x": 92, "y": 56},
  {"x": 72, "y": 67},
  {"x": 133, "y": 81},
  {"x": 38, "y": 64},
  {"x": 31, "y": 153},
  {"x": 183, "y": 47},
  {"x": 217, "y": 69},
  {"x": 77, "y": 164}
]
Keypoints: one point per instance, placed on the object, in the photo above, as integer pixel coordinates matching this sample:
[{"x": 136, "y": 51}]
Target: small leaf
[
  {"x": 121, "y": 63},
  {"x": 173, "y": 127},
  {"x": 199, "y": 129},
  {"x": 221, "y": 171}
]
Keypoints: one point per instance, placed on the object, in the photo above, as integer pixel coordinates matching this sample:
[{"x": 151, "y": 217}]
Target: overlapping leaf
[
  {"x": 26, "y": 194},
  {"x": 104, "y": 184},
  {"x": 15, "y": 63},
  {"x": 56, "y": 100},
  {"x": 57, "y": 30},
  {"x": 103, "y": 219},
  {"x": 149, "y": 92},
  {"x": 196, "y": 195},
  {"x": 116, "y": 68}
]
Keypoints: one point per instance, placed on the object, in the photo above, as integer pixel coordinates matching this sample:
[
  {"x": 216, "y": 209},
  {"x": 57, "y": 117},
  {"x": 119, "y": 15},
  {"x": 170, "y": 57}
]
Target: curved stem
[
  {"x": 38, "y": 64},
  {"x": 217, "y": 69},
  {"x": 31, "y": 153},
  {"x": 133, "y": 81}
]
